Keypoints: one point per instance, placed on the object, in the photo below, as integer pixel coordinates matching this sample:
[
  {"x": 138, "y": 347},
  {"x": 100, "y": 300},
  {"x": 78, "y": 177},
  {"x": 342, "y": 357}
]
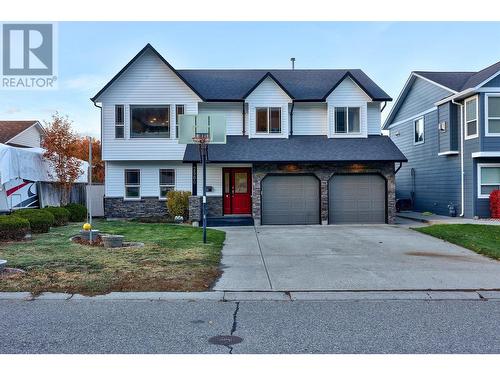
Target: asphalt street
[{"x": 83, "y": 326}]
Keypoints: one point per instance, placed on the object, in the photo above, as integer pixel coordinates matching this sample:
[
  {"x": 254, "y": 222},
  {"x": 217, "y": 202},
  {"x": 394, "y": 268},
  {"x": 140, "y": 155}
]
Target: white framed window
[
  {"x": 179, "y": 110},
  {"x": 419, "y": 131},
  {"x": 347, "y": 120},
  {"x": 488, "y": 179},
  {"x": 119, "y": 121},
  {"x": 471, "y": 118},
  {"x": 149, "y": 121},
  {"x": 132, "y": 184},
  {"x": 492, "y": 111},
  {"x": 268, "y": 120},
  {"x": 167, "y": 182}
]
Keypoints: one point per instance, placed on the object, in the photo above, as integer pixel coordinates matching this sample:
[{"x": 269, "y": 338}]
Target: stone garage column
[
  {"x": 257, "y": 177},
  {"x": 323, "y": 178}
]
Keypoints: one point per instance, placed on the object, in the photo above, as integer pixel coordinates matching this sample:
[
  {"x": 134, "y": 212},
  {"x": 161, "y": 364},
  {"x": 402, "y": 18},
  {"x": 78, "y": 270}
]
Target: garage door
[
  {"x": 357, "y": 199},
  {"x": 290, "y": 200}
]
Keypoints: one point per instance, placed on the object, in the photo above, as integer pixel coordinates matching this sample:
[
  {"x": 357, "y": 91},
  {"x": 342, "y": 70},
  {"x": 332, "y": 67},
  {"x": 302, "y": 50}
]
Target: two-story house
[
  {"x": 448, "y": 126},
  {"x": 303, "y": 146}
]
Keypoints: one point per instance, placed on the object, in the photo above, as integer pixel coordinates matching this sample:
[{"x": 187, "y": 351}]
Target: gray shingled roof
[
  {"x": 459, "y": 81},
  {"x": 234, "y": 85},
  {"x": 307, "y": 148},
  {"x": 301, "y": 84}
]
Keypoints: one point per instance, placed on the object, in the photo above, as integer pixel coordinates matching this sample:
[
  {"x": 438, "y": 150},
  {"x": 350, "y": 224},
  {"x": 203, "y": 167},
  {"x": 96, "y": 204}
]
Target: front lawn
[
  {"x": 174, "y": 258},
  {"x": 483, "y": 239}
]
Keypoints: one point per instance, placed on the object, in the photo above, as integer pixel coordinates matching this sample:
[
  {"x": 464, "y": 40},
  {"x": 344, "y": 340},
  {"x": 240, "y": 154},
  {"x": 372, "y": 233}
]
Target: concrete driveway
[{"x": 348, "y": 257}]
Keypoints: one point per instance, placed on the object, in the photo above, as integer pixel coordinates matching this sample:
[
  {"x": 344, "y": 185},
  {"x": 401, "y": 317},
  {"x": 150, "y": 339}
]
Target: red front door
[{"x": 237, "y": 190}]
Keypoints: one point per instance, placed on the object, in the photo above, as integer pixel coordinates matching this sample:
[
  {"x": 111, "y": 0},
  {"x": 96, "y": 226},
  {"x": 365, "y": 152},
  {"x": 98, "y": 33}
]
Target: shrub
[
  {"x": 77, "y": 212},
  {"x": 495, "y": 204},
  {"x": 13, "y": 227},
  {"x": 40, "y": 220},
  {"x": 178, "y": 203},
  {"x": 61, "y": 215}
]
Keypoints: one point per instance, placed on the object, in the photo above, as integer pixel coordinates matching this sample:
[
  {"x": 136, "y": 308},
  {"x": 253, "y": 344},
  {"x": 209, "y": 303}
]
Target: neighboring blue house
[{"x": 448, "y": 126}]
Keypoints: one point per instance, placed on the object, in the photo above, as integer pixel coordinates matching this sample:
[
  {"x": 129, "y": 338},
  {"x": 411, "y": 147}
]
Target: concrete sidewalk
[{"x": 440, "y": 219}]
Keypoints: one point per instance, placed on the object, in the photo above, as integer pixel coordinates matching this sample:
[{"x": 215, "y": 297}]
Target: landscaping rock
[{"x": 112, "y": 240}]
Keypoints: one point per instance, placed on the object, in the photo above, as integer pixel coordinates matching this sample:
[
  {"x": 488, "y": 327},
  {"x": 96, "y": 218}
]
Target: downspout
[
  {"x": 398, "y": 168},
  {"x": 383, "y": 107},
  {"x": 291, "y": 117},
  {"x": 243, "y": 114},
  {"x": 462, "y": 176}
]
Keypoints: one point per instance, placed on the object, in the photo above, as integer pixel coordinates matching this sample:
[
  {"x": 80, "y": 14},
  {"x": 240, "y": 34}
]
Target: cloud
[
  {"x": 12, "y": 110},
  {"x": 84, "y": 82}
]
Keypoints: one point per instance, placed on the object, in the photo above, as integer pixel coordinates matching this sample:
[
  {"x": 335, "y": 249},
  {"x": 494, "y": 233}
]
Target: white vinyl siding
[
  {"x": 348, "y": 94},
  {"x": 232, "y": 111},
  {"x": 30, "y": 137},
  {"x": 148, "y": 81},
  {"x": 309, "y": 119},
  {"x": 150, "y": 177},
  {"x": 268, "y": 94},
  {"x": 374, "y": 118},
  {"x": 214, "y": 177}
]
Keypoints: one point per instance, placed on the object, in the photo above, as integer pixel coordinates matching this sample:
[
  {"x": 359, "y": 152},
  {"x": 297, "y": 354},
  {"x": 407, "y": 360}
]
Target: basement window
[
  {"x": 167, "y": 182},
  {"x": 132, "y": 183}
]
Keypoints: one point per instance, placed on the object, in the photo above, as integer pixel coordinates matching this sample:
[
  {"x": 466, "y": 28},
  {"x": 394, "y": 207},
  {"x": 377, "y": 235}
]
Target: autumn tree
[
  {"x": 81, "y": 151},
  {"x": 59, "y": 142}
]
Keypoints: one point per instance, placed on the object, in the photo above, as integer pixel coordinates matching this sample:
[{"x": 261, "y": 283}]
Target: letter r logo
[{"x": 27, "y": 49}]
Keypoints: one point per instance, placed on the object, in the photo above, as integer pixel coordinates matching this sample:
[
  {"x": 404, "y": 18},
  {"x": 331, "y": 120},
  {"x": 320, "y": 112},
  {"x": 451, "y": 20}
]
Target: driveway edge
[{"x": 226, "y": 296}]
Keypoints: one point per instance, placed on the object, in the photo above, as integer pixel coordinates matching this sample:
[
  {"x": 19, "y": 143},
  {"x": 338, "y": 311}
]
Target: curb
[{"x": 230, "y": 296}]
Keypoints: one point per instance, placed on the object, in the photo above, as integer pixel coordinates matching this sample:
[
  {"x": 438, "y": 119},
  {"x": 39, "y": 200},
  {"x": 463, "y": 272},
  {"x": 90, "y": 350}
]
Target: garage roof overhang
[{"x": 299, "y": 149}]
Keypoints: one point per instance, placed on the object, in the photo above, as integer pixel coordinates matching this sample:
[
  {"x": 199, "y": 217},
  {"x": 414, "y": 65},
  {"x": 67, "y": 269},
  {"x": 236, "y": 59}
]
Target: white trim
[
  {"x": 476, "y": 98},
  {"x": 487, "y": 117},
  {"x": 486, "y": 154},
  {"x": 456, "y": 96},
  {"x": 268, "y": 132},
  {"x": 447, "y": 153},
  {"x": 488, "y": 79},
  {"x": 421, "y": 114},
  {"x": 479, "y": 167},
  {"x": 437, "y": 84},
  {"x": 488, "y": 89},
  {"x": 423, "y": 130}
]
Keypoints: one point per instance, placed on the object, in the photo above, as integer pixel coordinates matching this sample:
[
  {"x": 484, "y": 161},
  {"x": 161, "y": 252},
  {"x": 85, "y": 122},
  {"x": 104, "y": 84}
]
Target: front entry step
[{"x": 230, "y": 221}]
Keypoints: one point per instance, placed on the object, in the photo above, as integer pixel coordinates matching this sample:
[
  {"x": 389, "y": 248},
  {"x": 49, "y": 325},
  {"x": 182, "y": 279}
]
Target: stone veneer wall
[
  {"x": 324, "y": 172},
  {"x": 121, "y": 208},
  {"x": 214, "y": 205}
]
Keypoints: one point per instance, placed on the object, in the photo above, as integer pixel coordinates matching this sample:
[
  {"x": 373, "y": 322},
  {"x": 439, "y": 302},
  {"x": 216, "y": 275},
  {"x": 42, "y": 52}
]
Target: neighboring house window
[
  {"x": 132, "y": 183},
  {"x": 268, "y": 120},
  {"x": 347, "y": 120},
  {"x": 119, "y": 121},
  {"x": 150, "y": 121},
  {"x": 419, "y": 130},
  {"x": 179, "y": 110},
  {"x": 167, "y": 182},
  {"x": 488, "y": 179},
  {"x": 493, "y": 114},
  {"x": 471, "y": 130}
]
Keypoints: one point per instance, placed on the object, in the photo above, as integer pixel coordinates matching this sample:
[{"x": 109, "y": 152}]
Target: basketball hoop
[{"x": 201, "y": 138}]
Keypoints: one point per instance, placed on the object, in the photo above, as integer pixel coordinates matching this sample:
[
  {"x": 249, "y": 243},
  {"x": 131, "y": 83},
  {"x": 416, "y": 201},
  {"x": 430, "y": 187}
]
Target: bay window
[
  {"x": 149, "y": 121},
  {"x": 268, "y": 120},
  {"x": 347, "y": 120},
  {"x": 471, "y": 120},
  {"x": 493, "y": 114},
  {"x": 488, "y": 179}
]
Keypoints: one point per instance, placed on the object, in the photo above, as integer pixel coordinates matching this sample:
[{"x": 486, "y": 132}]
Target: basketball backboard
[{"x": 191, "y": 126}]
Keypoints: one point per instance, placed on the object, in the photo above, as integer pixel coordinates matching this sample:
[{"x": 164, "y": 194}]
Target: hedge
[
  {"x": 40, "y": 220},
  {"x": 13, "y": 227},
  {"x": 61, "y": 215},
  {"x": 178, "y": 203},
  {"x": 77, "y": 212}
]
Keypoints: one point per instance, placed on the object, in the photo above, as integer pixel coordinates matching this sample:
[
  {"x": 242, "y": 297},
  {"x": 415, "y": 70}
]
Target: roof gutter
[{"x": 457, "y": 96}]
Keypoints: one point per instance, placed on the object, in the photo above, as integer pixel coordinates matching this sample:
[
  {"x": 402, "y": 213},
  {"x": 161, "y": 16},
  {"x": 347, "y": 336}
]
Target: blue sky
[{"x": 90, "y": 53}]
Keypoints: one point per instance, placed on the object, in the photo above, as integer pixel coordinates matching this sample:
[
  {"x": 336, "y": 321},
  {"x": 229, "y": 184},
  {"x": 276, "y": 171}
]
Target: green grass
[
  {"x": 174, "y": 258},
  {"x": 483, "y": 239}
]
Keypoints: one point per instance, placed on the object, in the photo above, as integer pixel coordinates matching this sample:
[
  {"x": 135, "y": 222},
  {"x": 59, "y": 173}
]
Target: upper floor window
[
  {"x": 167, "y": 182},
  {"x": 347, "y": 120},
  {"x": 419, "y": 130},
  {"x": 149, "y": 121},
  {"x": 268, "y": 120},
  {"x": 119, "y": 121},
  {"x": 488, "y": 179},
  {"x": 179, "y": 110},
  {"x": 133, "y": 183},
  {"x": 471, "y": 122},
  {"x": 493, "y": 114}
]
